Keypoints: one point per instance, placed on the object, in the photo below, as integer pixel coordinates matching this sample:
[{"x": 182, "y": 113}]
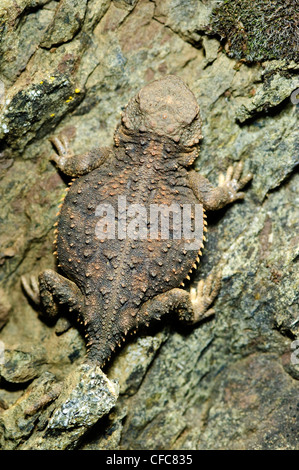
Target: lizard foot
[
  {"x": 31, "y": 288},
  {"x": 61, "y": 146},
  {"x": 204, "y": 295},
  {"x": 234, "y": 181}
]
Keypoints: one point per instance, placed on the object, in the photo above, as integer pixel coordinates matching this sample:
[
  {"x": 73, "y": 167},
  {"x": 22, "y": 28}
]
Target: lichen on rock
[
  {"x": 259, "y": 30},
  {"x": 233, "y": 381}
]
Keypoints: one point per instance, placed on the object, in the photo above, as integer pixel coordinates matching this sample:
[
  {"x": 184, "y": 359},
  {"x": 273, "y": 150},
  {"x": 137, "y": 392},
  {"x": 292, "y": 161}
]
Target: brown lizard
[{"x": 119, "y": 279}]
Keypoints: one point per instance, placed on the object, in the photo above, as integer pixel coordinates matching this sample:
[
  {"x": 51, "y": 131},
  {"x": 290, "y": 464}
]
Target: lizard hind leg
[
  {"x": 51, "y": 291},
  {"x": 57, "y": 290},
  {"x": 190, "y": 307}
]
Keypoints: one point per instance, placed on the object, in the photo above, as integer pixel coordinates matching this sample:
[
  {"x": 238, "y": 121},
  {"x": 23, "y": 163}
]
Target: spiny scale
[{"x": 144, "y": 169}]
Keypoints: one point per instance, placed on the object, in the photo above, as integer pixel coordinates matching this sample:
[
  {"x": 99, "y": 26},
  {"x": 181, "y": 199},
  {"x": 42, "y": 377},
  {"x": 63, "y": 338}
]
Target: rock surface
[{"x": 68, "y": 68}]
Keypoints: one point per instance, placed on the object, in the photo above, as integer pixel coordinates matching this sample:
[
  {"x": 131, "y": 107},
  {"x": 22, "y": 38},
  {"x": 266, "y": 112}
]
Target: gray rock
[
  {"x": 229, "y": 383},
  {"x": 86, "y": 395}
]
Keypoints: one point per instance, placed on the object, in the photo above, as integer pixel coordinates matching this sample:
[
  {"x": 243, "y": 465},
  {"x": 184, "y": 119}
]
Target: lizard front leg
[
  {"x": 229, "y": 189},
  {"x": 77, "y": 165}
]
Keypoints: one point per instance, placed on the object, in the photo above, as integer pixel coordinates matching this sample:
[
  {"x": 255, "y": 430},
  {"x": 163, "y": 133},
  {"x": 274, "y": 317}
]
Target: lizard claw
[
  {"x": 204, "y": 295},
  {"x": 31, "y": 289},
  {"x": 61, "y": 146},
  {"x": 234, "y": 181}
]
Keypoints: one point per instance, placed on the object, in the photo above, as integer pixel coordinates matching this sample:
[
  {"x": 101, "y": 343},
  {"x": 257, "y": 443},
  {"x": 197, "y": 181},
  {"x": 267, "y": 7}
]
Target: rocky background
[{"x": 67, "y": 68}]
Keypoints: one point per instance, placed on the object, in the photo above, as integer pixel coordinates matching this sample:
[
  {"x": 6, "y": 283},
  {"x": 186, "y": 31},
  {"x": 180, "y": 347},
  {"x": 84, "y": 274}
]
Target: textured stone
[
  {"x": 5, "y": 306},
  {"x": 80, "y": 401},
  {"x": 187, "y": 18},
  {"x": 259, "y": 30},
  {"x": 131, "y": 367},
  {"x": 257, "y": 416},
  {"x": 19, "y": 367},
  {"x": 67, "y": 21},
  {"x": 85, "y": 397},
  {"x": 275, "y": 89},
  {"x": 18, "y": 421},
  {"x": 232, "y": 382}
]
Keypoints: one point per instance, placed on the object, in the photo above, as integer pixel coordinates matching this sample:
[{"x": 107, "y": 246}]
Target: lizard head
[{"x": 166, "y": 108}]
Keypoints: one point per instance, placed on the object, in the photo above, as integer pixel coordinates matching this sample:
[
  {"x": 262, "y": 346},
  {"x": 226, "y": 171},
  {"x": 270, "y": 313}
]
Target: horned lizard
[{"x": 115, "y": 282}]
